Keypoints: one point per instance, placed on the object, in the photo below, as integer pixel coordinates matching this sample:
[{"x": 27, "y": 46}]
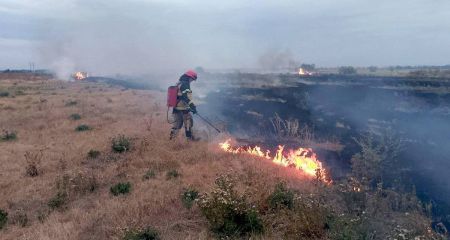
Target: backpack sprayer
[{"x": 172, "y": 100}]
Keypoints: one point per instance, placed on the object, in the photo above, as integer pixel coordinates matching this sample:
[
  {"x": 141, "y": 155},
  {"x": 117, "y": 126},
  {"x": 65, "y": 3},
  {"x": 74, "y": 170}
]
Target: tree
[
  {"x": 347, "y": 70},
  {"x": 308, "y": 67},
  {"x": 373, "y": 69}
]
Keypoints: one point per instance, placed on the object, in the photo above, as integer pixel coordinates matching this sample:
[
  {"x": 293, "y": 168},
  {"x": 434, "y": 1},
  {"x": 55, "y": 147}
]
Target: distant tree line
[{"x": 347, "y": 70}]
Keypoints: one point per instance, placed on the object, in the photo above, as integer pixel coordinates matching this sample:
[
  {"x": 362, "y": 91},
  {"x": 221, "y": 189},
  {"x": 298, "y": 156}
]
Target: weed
[
  {"x": 3, "y": 218},
  {"x": 143, "y": 234},
  {"x": 281, "y": 197},
  {"x": 20, "y": 218},
  {"x": 71, "y": 103},
  {"x": 75, "y": 116},
  {"x": 149, "y": 174},
  {"x": 172, "y": 174},
  {"x": 82, "y": 127},
  {"x": 121, "y": 188},
  {"x": 83, "y": 183},
  {"x": 228, "y": 213},
  {"x": 121, "y": 144},
  {"x": 8, "y": 136},
  {"x": 93, "y": 154},
  {"x": 189, "y": 196},
  {"x": 33, "y": 161}
]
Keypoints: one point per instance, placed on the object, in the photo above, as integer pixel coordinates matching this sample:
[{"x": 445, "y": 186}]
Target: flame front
[{"x": 303, "y": 159}]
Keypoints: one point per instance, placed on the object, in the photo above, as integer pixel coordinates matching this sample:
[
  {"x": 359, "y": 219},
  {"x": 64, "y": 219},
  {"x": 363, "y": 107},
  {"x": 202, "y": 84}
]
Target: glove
[{"x": 193, "y": 108}]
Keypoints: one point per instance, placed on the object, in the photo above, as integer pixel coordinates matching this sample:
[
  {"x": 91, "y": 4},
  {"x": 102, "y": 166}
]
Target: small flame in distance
[
  {"x": 303, "y": 159},
  {"x": 80, "y": 75},
  {"x": 303, "y": 72}
]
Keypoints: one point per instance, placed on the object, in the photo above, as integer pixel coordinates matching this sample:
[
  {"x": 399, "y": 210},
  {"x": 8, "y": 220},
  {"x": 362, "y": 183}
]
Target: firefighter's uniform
[{"x": 181, "y": 113}]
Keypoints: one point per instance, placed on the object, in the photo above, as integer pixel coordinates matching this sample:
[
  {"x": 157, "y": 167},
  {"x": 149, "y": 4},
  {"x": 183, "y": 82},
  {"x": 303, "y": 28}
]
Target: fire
[
  {"x": 303, "y": 159},
  {"x": 303, "y": 72},
  {"x": 80, "y": 75}
]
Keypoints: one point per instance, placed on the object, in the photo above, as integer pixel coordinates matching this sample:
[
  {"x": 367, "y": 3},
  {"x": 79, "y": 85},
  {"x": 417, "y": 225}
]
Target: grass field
[{"x": 56, "y": 175}]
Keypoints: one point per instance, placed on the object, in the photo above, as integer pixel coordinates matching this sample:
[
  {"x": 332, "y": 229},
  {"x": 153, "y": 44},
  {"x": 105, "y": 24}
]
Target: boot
[{"x": 190, "y": 137}]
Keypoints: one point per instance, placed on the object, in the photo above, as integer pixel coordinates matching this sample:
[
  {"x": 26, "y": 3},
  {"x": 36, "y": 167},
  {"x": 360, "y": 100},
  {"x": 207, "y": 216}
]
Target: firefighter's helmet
[{"x": 192, "y": 74}]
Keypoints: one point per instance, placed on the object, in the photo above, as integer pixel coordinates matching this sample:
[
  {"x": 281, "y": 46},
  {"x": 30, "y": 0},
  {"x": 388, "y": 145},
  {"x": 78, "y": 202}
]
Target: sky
[{"x": 142, "y": 36}]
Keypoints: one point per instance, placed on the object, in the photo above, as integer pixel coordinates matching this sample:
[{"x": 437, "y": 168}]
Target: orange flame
[
  {"x": 303, "y": 72},
  {"x": 303, "y": 159},
  {"x": 80, "y": 75}
]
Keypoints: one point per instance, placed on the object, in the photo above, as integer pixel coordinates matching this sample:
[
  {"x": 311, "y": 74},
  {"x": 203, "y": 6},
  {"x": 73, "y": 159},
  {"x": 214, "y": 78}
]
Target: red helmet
[{"x": 191, "y": 74}]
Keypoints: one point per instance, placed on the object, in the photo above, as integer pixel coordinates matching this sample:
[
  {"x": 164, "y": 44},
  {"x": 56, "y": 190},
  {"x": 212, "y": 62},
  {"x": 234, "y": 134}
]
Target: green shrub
[
  {"x": 3, "y": 218},
  {"x": 121, "y": 144},
  {"x": 172, "y": 174},
  {"x": 189, "y": 196},
  {"x": 71, "y": 103},
  {"x": 82, "y": 127},
  {"x": 229, "y": 214},
  {"x": 344, "y": 227},
  {"x": 58, "y": 201},
  {"x": 144, "y": 234},
  {"x": 121, "y": 188},
  {"x": 149, "y": 174},
  {"x": 4, "y": 94},
  {"x": 93, "y": 153},
  {"x": 75, "y": 116},
  {"x": 19, "y": 93},
  {"x": 8, "y": 135},
  {"x": 281, "y": 197}
]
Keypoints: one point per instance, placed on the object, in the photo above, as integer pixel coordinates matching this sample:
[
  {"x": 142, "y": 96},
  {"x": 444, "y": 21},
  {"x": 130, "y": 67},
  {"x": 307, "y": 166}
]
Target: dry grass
[{"x": 40, "y": 118}]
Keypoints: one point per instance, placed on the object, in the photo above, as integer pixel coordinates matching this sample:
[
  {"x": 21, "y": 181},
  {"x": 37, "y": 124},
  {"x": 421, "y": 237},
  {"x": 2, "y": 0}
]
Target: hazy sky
[{"x": 109, "y": 36}]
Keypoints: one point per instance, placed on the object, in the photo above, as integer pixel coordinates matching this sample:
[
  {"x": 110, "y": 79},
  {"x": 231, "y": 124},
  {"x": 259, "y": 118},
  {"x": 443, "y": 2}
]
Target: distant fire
[
  {"x": 303, "y": 159},
  {"x": 80, "y": 75},
  {"x": 303, "y": 72}
]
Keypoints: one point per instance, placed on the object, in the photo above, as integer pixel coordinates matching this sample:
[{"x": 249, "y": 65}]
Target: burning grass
[{"x": 303, "y": 159}]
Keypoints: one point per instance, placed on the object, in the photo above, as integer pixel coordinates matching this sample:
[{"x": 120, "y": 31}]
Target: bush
[
  {"x": 93, "y": 153},
  {"x": 75, "y": 116},
  {"x": 121, "y": 144},
  {"x": 4, "y": 94},
  {"x": 149, "y": 174},
  {"x": 172, "y": 174},
  {"x": 229, "y": 214},
  {"x": 144, "y": 234},
  {"x": 8, "y": 135},
  {"x": 189, "y": 196},
  {"x": 61, "y": 197},
  {"x": 281, "y": 197},
  {"x": 82, "y": 127},
  {"x": 33, "y": 161},
  {"x": 20, "y": 218},
  {"x": 121, "y": 188},
  {"x": 3, "y": 218},
  {"x": 71, "y": 103},
  {"x": 58, "y": 201}
]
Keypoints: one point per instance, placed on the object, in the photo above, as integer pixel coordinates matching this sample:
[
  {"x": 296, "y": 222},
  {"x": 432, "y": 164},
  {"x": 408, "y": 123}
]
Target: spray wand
[{"x": 206, "y": 121}]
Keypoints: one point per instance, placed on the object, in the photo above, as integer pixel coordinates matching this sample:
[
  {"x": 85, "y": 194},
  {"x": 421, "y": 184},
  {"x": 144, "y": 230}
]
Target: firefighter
[{"x": 182, "y": 112}]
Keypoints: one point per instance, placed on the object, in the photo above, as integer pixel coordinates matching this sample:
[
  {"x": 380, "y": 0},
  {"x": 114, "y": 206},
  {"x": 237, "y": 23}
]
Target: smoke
[
  {"x": 107, "y": 38},
  {"x": 278, "y": 60}
]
